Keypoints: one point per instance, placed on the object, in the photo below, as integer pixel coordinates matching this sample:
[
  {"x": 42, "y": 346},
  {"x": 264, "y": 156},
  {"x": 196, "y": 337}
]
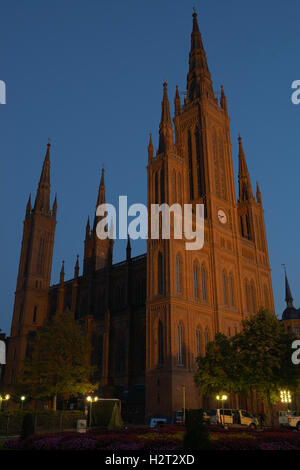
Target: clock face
[{"x": 222, "y": 216}]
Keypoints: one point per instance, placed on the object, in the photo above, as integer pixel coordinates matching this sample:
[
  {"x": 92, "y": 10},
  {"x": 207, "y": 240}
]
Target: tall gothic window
[
  {"x": 198, "y": 341},
  {"x": 200, "y": 163},
  {"x": 225, "y": 290},
  {"x": 196, "y": 280},
  {"x": 231, "y": 289},
  {"x": 160, "y": 343},
  {"x": 246, "y": 287},
  {"x": 180, "y": 343},
  {"x": 34, "y": 314},
  {"x": 174, "y": 187},
  {"x": 40, "y": 258},
  {"x": 190, "y": 158},
  {"x": 160, "y": 274},
  {"x": 178, "y": 275},
  {"x": 156, "y": 187},
  {"x": 206, "y": 338},
  {"x": 204, "y": 282},
  {"x": 253, "y": 300},
  {"x": 162, "y": 186}
]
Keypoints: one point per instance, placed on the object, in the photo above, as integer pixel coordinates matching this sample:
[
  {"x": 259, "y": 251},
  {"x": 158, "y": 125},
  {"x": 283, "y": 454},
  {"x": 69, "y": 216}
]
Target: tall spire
[
  {"x": 128, "y": 249},
  {"x": 42, "y": 200},
  {"x": 166, "y": 141},
  {"x": 28, "y": 207},
  {"x": 258, "y": 193},
  {"x": 288, "y": 294},
  {"x": 150, "y": 147},
  {"x": 177, "y": 104},
  {"x": 76, "y": 269},
  {"x": 245, "y": 189},
  {"x": 100, "y": 197},
  {"x": 62, "y": 273},
  {"x": 223, "y": 100},
  {"x": 198, "y": 80}
]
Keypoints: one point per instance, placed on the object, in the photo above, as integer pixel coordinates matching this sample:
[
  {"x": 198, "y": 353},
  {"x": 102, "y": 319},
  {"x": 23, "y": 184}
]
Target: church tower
[
  {"x": 193, "y": 294},
  {"x": 34, "y": 275},
  {"x": 97, "y": 253}
]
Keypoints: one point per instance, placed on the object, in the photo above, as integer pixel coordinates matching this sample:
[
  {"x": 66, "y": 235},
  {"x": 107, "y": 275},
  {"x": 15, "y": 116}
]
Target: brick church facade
[{"x": 149, "y": 317}]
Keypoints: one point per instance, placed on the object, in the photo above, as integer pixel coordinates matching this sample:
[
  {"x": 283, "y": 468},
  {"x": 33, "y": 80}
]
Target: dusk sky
[{"x": 88, "y": 75}]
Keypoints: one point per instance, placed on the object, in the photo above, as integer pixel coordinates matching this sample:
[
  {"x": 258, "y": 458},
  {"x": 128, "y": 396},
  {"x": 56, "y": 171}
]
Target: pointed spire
[
  {"x": 100, "y": 197},
  {"x": 28, "y": 207},
  {"x": 62, "y": 273},
  {"x": 198, "y": 80},
  {"x": 166, "y": 142},
  {"x": 76, "y": 269},
  {"x": 258, "y": 193},
  {"x": 87, "y": 229},
  {"x": 42, "y": 200},
  {"x": 288, "y": 294},
  {"x": 54, "y": 207},
  {"x": 223, "y": 100},
  {"x": 245, "y": 189},
  {"x": 177, "y": 103},
  {"x": 150, "y": 147},
  {"x": 128, "y": 249}
]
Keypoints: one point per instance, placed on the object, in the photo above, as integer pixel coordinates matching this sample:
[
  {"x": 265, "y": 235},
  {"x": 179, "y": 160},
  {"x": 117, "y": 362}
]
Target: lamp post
[
  {"x": 22, "y": 401},
  {"x": 285, "y": 397},
  {"x": 91, "y": 400},
  {"x": 222, "y": 398},
  {"x": 6, "y": 398}
]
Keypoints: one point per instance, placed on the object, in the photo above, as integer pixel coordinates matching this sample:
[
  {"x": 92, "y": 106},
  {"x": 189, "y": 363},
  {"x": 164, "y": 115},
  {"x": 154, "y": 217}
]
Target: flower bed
[{"x": 166, "y": 438}]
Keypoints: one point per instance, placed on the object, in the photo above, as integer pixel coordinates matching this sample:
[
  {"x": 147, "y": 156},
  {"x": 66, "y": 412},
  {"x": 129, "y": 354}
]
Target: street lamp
[
  {"x": 222, "y": 398},
  {"x": 91, "y": 400},
  {"x": 6, "y": 398},
  {"x": 285, "y": 397},
  {"x": 22, "y": 401}
]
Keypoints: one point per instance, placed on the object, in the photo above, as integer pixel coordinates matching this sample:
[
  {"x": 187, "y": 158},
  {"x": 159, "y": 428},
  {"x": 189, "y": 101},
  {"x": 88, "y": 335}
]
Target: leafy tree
[
  {"x": 258, "y": 358},
  {"x": 58, "y": 360}
]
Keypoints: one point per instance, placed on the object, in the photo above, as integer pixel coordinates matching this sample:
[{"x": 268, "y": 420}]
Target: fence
[{"x": 11, "y": 424}]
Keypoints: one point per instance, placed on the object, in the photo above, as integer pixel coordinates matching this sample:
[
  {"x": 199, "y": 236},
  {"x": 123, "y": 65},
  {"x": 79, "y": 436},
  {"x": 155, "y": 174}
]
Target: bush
[
  {"x": 196, "y": 436},
  {"x": 27, "y": 426}
]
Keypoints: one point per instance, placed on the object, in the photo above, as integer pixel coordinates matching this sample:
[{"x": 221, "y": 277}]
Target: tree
[
  {"x": 257, "y": 359},
  {"x": 58, "y": 360}
]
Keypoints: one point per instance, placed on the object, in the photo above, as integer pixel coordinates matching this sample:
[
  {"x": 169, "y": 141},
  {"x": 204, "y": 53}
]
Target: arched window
[
  {"x": 162, "y": 186},
  {"x": 160, "y": 274},
  {"x": 253, "y": 298},
  {"x": 231, "y": 289},
  {"x": 190, "y": 156},
  {"x": 178, "y": 275},
  {"x": 174, "y": 187},
  {"x": 203, "y": 282},
  {"x": 196, "y": 280},
  {"x": 156, "y": 187},
  {"x": 34, "y": 314},
  {"x": 206, "y": 338},
  {"x": 266, "y": 296},
  {"x": 198, "y": 341},
  {"x": 160, "y": 343},
  {"x": 225, "y": 290},
  {"x": 180, "y": 343},
  {"x": 179, "y": 188},
  {"x": 246, "y": 286}
]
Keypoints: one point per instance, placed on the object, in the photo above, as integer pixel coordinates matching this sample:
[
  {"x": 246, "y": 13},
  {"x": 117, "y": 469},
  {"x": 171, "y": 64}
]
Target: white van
[
  {"x": 229, "y": 417},
  {"x": 157, "y": 422}
]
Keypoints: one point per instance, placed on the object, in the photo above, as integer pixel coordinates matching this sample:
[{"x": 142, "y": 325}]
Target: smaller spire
[
  {"x": 76, "y": 269},
  {"x": 258, "y": 193},
  {"x": 177, "y": 103},
  {"x": 42, "y": 200},
  {"x": 54, "y": 207},
  {"x": 28, "y": 207},
  {"x": 223, "y": 100},
  {"x": 62, "y": 273},
  {"x": 288, "y": 294},
  {"x": 245, "y": 189},
  {"x": 88, "y": 228},
  {"x": 150, "y": 147},
  {"x": 128, "y": 249},
  {"x": 165, "y": 128}
]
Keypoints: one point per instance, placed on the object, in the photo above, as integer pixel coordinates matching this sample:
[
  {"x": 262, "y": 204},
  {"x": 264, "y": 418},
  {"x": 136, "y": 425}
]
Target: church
[{"x": 150, "y": 316}]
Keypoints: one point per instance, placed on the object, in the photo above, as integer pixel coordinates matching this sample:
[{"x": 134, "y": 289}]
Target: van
[
  {"x": 157, "y": 422},
  {"x": 230, "y": 417}
]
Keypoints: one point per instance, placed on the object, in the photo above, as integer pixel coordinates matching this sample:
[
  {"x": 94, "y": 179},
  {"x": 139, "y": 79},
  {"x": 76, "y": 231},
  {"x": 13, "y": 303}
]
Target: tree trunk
[
  {"x": 54, "y": 402},
  {"x": 270, "y": 408}
]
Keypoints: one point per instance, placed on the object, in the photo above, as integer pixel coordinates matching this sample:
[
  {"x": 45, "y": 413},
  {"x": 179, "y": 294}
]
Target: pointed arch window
[
  {"x": 178, "y": 275},
  {"x": 156, "y": 187},
  {"x": 225, "y": 290},
  {"x": 180, "y": 343},
  {"x": 196, "y": 280},
  {"x": 190, "y": 158},
  {"x": 204, "y": 283},
  {"x": 162, "y": 186},
  {"x": 174, "y": 187},
  {"x": 253, "y": 297},
  {"x": 198, "y": 341},
  {"x": 160, "y": 343},
  {"x": 160, "y": 274},
  {"x": 206, "y": 338},
  {"x": 246, "y": 287},
  {"x": 231, "y": 289},
  {"x": 34, "y": 314}
]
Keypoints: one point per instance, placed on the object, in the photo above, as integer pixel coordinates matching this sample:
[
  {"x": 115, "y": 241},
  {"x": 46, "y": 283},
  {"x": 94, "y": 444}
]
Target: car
[
  {"x": 231, "y": 417},
  {"x": 284, "y": 417},
  {"x": 157, "y": 422},
  {"x": 294, "y": 420}
]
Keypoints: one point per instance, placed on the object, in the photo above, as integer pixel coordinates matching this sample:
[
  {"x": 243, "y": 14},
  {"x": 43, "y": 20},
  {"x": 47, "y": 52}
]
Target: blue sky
[{"x": 88, "y": 74}]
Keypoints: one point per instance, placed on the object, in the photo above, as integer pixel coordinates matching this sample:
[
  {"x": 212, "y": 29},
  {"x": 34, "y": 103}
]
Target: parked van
[
  {"x": 158, "y": 422},
  {"x": 230, "y": 417},
  {"x": 284, "y": 417}
]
